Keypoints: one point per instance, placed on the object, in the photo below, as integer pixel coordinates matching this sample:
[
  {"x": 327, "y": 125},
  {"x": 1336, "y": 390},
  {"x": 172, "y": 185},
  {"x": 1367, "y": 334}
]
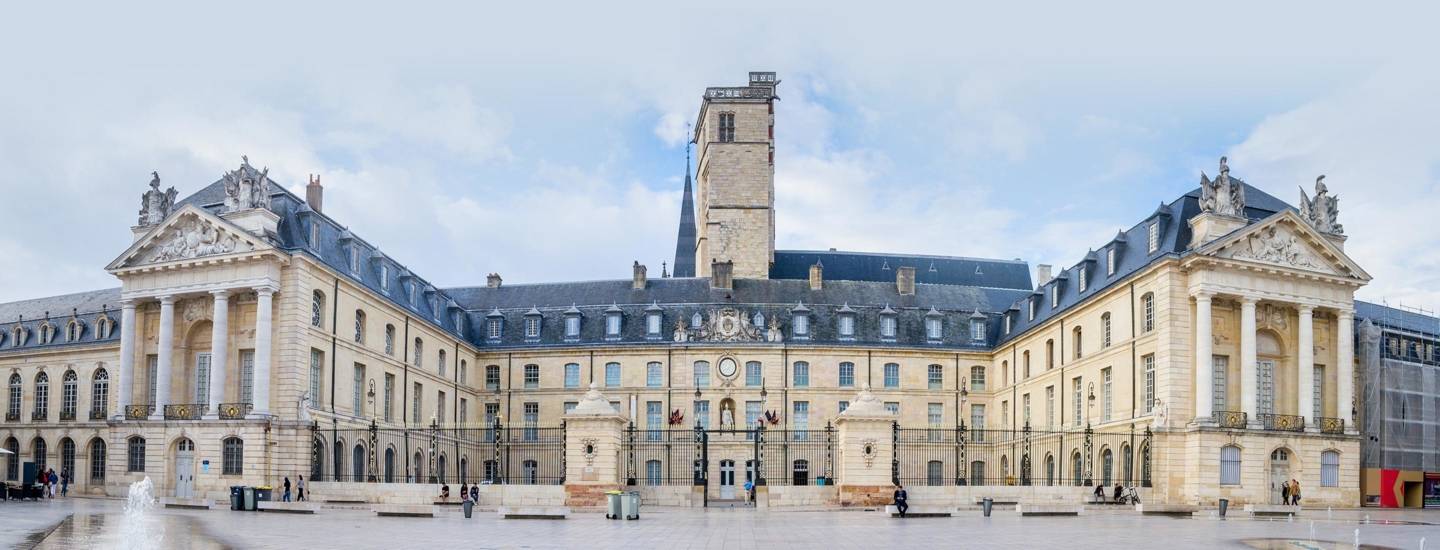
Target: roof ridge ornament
[
  {"x": 156, "y": 205},
  {"x": 1322, "y": 211},
  {"x": 246, "y": 188},
  {"x": 1225, "y": 195}
]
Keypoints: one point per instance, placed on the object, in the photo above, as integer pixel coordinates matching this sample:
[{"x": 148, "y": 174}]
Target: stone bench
[
  {"x": 1047, "y": 509},
  {"x": 188, "y": 503},
  {"x": 286, "y": 507},
  {"x": 1166, "y": 509},
  {"x": 533, "y": 512},
  {"x": 405, "y": 510},
  {"x": 343, "y": 501},
  {"x": 919, "y": 511},
  {"x": 980, "y": 501},
  {"x": 1271, "y": 509}
]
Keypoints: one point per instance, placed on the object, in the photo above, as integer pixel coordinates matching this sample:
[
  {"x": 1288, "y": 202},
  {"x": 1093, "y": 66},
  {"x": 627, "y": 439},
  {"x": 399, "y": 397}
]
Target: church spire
[{"x": 685, "y": 238}]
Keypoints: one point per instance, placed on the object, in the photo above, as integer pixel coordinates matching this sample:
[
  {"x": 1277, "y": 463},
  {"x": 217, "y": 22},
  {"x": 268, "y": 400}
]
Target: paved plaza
[{"x": 88, "y": 523}]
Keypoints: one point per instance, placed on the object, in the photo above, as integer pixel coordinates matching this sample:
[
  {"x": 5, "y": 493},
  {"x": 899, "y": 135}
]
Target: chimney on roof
[
  {"x": 721, "y": 274},
  {"x": 817, "y": 276},
  {"x": 637, "y": 281},
  {"x": 314, "y": 193},
  {"x": 1042, "y": 274},
  {"x": 905, "y": 280},
  {"x": 492, "y": 280}
]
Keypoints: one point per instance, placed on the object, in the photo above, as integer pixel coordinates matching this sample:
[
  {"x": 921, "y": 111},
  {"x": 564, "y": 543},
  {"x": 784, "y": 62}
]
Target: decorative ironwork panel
[
  {"x": 1282, "y": 422},
  {"x": 67, "y": 416},
  {"x": 234, "y": 411},
  {"x": 187, "y": 411},
  {"x": 99, "y": 414},
  {"x": 1331, "y": 425},
  {"x": 138, "y": 412},
  {"x": 1232, "y": 419},
  {"x": 12, "y": 416}
]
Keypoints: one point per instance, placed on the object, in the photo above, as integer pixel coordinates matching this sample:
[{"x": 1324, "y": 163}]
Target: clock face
[{"x": 727, "y": 367}]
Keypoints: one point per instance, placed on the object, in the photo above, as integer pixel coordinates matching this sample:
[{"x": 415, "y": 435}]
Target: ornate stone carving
[
  {"x": 773, "y": 334},
  {"x": 866, "y": 404},
  {"x": 594, "y": 403},
  {"x": 728, "y": 324},
  {"x": 588, "y": 446},
  {"x": 196, "y": 310},
  {"x": 192, "y": 237},
  {"x": 1224, "y": 195},
  {"x": 869, "y": 450},
  {"x": 682, "y": 335},
  {"x": 1270, "y": 245},
  {"x": 246, "y": 188},
  {"x": 1272, "y": 317},
  {"x": 156, "y": 205},
  {"x": 1321, "y": 211}
]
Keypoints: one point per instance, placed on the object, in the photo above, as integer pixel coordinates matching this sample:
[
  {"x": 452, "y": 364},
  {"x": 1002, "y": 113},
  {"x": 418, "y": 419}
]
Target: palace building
[{"x": 1207, "y": 351}]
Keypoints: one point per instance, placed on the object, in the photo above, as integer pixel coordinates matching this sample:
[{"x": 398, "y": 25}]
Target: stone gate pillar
[
  {"x": 593, "y": 432},
  {"x": 865, "y": 448}
]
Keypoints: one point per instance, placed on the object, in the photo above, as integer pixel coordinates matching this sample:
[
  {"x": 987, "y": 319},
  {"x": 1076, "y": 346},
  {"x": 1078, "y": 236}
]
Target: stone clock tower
[{"x": 735, "y": 137}]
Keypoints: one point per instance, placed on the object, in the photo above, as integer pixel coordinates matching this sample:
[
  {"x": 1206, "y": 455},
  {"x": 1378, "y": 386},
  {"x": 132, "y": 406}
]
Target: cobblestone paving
[{"x": 722, "y": 528}]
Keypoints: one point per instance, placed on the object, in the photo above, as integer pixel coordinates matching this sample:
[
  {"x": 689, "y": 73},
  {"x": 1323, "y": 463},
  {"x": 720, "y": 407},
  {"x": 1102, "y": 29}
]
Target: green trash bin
[{"x": 613, "y": 508}]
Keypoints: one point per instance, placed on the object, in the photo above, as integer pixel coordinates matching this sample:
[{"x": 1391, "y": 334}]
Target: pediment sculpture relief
[
  {"x": 1274, "y": 246},
  {"x": 192, "y": 237}
]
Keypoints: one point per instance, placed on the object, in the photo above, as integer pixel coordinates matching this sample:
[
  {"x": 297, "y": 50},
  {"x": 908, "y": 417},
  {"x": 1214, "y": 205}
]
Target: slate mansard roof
[
  {"x": 86, "y": 307},
  {"x": 1398, "y": 318}
]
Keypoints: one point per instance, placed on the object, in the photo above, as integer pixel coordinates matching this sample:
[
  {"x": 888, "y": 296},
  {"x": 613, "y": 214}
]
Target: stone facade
[{"x": 735, "y": 184}]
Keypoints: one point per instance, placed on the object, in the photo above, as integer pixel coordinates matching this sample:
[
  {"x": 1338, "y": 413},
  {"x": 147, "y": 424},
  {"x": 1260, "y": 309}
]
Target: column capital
[
  {"x": 221, "y": 294},
  {"x": 1205, "y": 295},
  {"x": 266, "y": 290},
  {"x": 1305, "y": 308},
  {"x": 128, "y": 303},
  {"x": 168, "y": 299},
  {"x": 1249, "y": 300},
  {"x": 1345, "y": 313}
]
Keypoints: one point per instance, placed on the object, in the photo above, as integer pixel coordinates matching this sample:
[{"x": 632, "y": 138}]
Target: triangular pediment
[
  {"x": 1285, "y": 240},
  {"x": 190, "y": 233}
]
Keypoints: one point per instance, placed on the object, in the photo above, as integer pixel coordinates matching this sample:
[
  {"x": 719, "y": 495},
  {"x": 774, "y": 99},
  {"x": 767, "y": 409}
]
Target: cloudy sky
[{"x": 546, "y": 142}]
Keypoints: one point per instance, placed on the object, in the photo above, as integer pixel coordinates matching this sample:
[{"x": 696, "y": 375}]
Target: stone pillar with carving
[
  {"x": 165, "y": 356},
  {"x": 1249, "y": 377},
  {"x": 865, "y": 445},
  {"x": 219, "y": 346},
  {"x": 594, "y": 431},
  {"x": 125, "y": 381}
]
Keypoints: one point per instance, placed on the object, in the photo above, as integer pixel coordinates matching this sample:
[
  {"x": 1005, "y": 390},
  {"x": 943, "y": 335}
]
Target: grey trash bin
[
  {"x": 1224, "y": 505},
  {"x": 468, "y": 507},
  {"x": 249, "y": 499},
  {"x": 986, "y": 504},
  {"x": 630, "y": 505},
  {"x": 613, "y": 504},
  {"x": 237, "y": 497}
]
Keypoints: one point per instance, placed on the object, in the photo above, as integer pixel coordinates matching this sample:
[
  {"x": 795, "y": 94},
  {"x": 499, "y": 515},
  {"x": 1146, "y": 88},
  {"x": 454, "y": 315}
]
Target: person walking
[
  {"x": 54, "y": 482},
  {"x": 1295, "y": 492},
  {"x": 1285, "y": 492},
  {"x": 300, "y": 486},
  {"x": 900, "y": 500},
  {"x": 749, "y": 492},
  {"x": 64, "y": 483},
  {"x": 285, "y": 496}
]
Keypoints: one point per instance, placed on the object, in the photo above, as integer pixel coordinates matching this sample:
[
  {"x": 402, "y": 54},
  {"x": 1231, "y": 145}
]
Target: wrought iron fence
[
  {"x": 963, "y": 456},
  {"x": 99, "y": 413},
  {"x": 798, "y": 457},
  {"x": 1282, "y": 422},
  {"x": 234, "y": 411},
  {"x": 438, "y": 454},
  {"x": 1331, "y": 425},
  {"x": 139, "y": 412},
  {"x": 185, "y": 411},
  {"x": 1232, "y": 419},
  {"x": 662, "y": 456}
]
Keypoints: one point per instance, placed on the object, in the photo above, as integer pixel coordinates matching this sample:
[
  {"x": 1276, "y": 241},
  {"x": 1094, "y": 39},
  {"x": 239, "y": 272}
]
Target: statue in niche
[
  {"x": 155, "y": 205},
  {"x": 1224, "y": 195},
  {"x": 772, "y": 333},
  {"x": 246, "y": 188},
  {"x": 1323, "y": 210},
  {"x": 681, "y": 334}
]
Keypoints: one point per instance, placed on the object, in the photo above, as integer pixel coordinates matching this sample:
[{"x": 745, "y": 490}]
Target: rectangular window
[
  {"x": 572, "y": 326},
  {"x": 572, "y": 375},
  {"x": 247, "y": 376},
  {"x": 1329, "y": 469},
  {"x": 1105, "y": 330},
  {"x": 532, "y": 326},
  {"x": 844, "y": 405},
  {"x": 1055, "y": 296},
  {"x": 977, "y": 378},
  {"x": 654, "y": 419},
  {"x": 1229, "y": 465},
  {"x": 702, "y": 414},
  {"x": 612, "y": 375},
  {"x": 1049, "y": 406},
  {"x": 202, "y": 378},
  {"x": 612, "y": 325},
  {"x": 847, "y": 326},
  {"x": 892, "y": 407},
  {"x": 152, "y": 372},
  {"x": 652, "y": 324},
  {"x": 570, "y": 406},
  {"x": 754, "y": 373},
  {"x": 892, "y": 375},
  {"x": 415, "y": 402},
  {"x": 358, "y": 395},
  {"x": 1105, "y": 401},
  {"x": 935, "y": 378},
  {"x": 801, "y": 420},
  {"x": 1220, "y": 367},
  {"x": 802, "y": 325},
  {"x": 726, "y": 133},
  {"x": 1110, "y": 261},
  {"x": 654, "y": 374},
  {"x": 932, "y": 328},
  {"x": 935, "y": 414},
  {"x": 752, "y": 415},
  {"x": 847, "y": 375},
  {"x": 493, "y": 329},
  {"x": 317, "y": 362},
  {"x": 1079, "y": 394},
  {"x": 1148, "y": 365},
  {"x": 1005, "y": 414},
  {"x": 1025, "y": 409},
  {"x": 440, "y": 408},
  {"x": 532, "y": 376},
  {"x": 977, "y": 329},
  {"x": 977, "y": 417},
  {"x": 492, "y": 377},
  {"x": 384, "y": 278},
  {"x": 135, "y": 455},
  {"x": 1083, "y": 272},
  {"x": 464, "y": 415},
  {"x": 1153, "y": 240},
  {"x": 702, "y": 374},
  {"x": 389, "y": 398},
  {"x": 887, "y": 327},
  {"x": 801, "y": 374},
  {"x": 532, "y": 421}
]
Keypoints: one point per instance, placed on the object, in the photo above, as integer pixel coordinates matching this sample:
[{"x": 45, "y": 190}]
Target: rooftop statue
[
  {"x": 1322, "y": 211},
  {"x": 155, "y": 205},
  {"x": 1224, "y": 196},
  {"x": 246, "y": 188}
]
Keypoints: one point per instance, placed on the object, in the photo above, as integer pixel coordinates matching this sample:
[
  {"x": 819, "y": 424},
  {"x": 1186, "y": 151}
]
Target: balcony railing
[
  {"x": 1282, "y": 422},
  {"x": 1331, "y": 425},
  {"x": 138, "y": 412},
  {"x": 99, "y": 414},
  {"x": 186, "y": 411},
  {"x": 39, "y": 416},
  {"x": 67, "y": 416},
  {"x": 1231, "y": 419},
  {"x": 234, "y": 411},
  {"x": 12, "y": 416}
]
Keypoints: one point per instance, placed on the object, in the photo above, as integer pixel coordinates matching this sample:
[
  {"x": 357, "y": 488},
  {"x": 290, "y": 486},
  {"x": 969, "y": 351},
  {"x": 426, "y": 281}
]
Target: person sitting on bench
[
  {"x": 900, "y": 498},
  {"x": 1099, "y": 494},
  {"x": 1119, "y": 491}
]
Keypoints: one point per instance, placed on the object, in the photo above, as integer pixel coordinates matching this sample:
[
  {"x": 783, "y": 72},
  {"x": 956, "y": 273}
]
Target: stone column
[
  {"x": 1248, "y": 375},
  {"x": 1204, "y": 361},
  {"x": 1305, "y": 385},
  {"x": 165, "y": 351},
  {"x": 866, "y": 447},
  {"x": 593, "y": 465},
  {"x": 219, "y": 346},
  {"x": 263, "y": 314},
  {"x": 125, "y": 379},
  {"x": 1345, "y": 375}
]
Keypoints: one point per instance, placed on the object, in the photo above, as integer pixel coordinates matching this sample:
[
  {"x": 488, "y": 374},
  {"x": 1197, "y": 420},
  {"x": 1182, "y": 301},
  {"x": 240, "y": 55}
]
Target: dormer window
[
  {"x": 1110, "y": 261},
  {"x": 572, "y": 324},
  {"x": 1033, "y": 307},
  {"x": 412, "y": 294},
  {"x": 384, "y": 278},
  {"x": 977, "y": 327},
  {"x": 532, "y": 325},
  {"x": 1007, "y": 323},
  {"x": 355, "y": 259},
  {"x": 887, "y": 324},
  {"x": 846, "y": 325},
  {"x": 653, "y": 321},
  {"x": 47, "y": 333},
  {"x": 800, "y": 322},
  {"x": 457, "y": 320},
  {"x": 1153, "y": 237},
  {"x": 934, "y": 326},
  {"x": 1054, "y": 296},
  {"x": 1084, "y": 270},
  {"x": 696, "y": 320},
  {"x": 314, "y": 233},
  {"x": 494, "y": 326},
  {"x": 613, "y": 316}
]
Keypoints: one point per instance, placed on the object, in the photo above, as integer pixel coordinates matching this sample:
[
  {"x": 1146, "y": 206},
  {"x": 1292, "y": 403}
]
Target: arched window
[
  {"x": 317, "y": 459},
  {"x": 317, "y": 309},
  {"x": 135, "y": 454},
  {"x": 1107, "y": 466},
  {"x": 358, "y": 461},
  {"x": 977, "y": 473},
  {"x": 389, "y": 339},
  {"x": 440, "y": 468},
  {"x": 1229, "y": 465},
  {"x": 800, "y": 374},
  {"x": 47, "y": 332},
  {"x": 359, "y": 326},
  {"x": 99, "y": 394},
  {"x": 1077, "y": 466},
  {"x": 464, "y": 468},
  {"x": 1105, "y": 330},
  {"x": 72, "y": 331},
  {"x": 419, "y": 464},
  {"x": 653, "y": 472},
  {"x": 935, "y": 473},
  {"x": 339, "y": 460},
  {"x": 419, "y": 352},
  {"x": 1005, "y": 469},
  {"x": 1049, "y": 354},
  {"x": 12, "y": 414},
  {"x": 530, "y": 472},
  {"x": 1079, "y": 342},
  {"x": 1004, "y": 374},
  {"x": 12, "y": 460},
  {"x": 1147, "y": 312},
  {"x": 67, "y": 457},
  {"x": 389, "y": 465},
  {"x": 1127, "y": 464},
  {"x": 441, "y": 367},
  {"x": 103, "y": 326},
  {"x": 801, "y": 473},
  {"x": 1050, "y": 469},
  {"x": 97, "y": 461},
  {"x": 1025, "y": 365},
  {"x": 232, "y": 456},
  {"x": 42, "y": 396},
  {"x": 69, "y": 395},
  {"x": 1330, "y": 469}
]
